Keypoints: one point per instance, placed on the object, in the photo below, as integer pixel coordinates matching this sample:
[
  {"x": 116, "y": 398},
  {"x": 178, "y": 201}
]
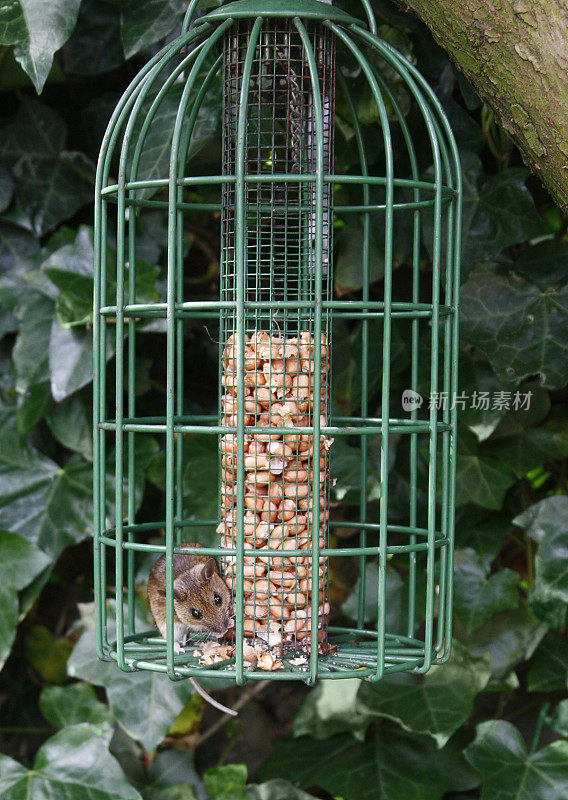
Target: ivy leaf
[
  {"x": 75, "y": 763},
  {"x": 145, "y": 703},
  {"x": 333, "y": 707},
  {"x": 21, "y": 561},
  {"x": 395, "y": 618},
  {"x": 71, "y": 705},
  {"x": 547, "y": 524},
  {"x": 181, "y": 791},
  {"x": 276, "y": 790},
  {"x": 391, "y": 764},
  {"x": 346, "y": 469},
  {"x": 71, "y": 359},
  {"x": 155, "y": 157},
  {"x": 31, "y": 593},
  {"x": 436, "y": 703},
  {"x": 37, "y": 30},
  {"x": 559, "y": 719},
  {"x": 348, "y": 272},
  {"x": 16, "y": 243},
  {"x": 544, "y": 264},
  {"x": 480, "y": 479},
  {"x": 171, "y": 775},
  {"x": 95, "y": 45},
  {"x": 527, "y": 450},
  {"x": 497, "y": 211},
  {"x": 199, "y": 476},
  {"x": 51, "y": 183},
  {"x": 58, "y": 189},
  {"x": 37, "y": 133},
  {"x": 8, "y": 620},
  {"x": 550, "y": 610},
  {"x": 478, "y": 595},
  {"x": 543, "y": 520},
  {"x": 510, "y": 637},
  {"x": 516, "y": 325},
  {"x": 549, "y": 668},
  {"x": 190, "y": 715},
  {"x": 483, "y": 532},
  {"x": 144, "y": 22},
  {"x": 509, "y": 772},
  {"x": 533, "y": 412},
  {"x": 46, "y": 654},
  {"x": 70, "y": 269},
  {"x": 70, "y": 421},
  {"x": 6, "y": 188},
  {"x": 74, "y": 303},
  {"x": 30, "y": 352},
  {"x": 50, "y": 506},
  {"x": 71, "y": 308},
  {"x": 347, "y": 360},
  {"x": 476, "y": 376},
  {"x": 12, "y": 24},
  {"x": 226, "y": 782},
  {"x": 32, "y": 407}
]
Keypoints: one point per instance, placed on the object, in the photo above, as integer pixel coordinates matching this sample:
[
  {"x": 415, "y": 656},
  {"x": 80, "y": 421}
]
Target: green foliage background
[{"x": 494, "y": 722}]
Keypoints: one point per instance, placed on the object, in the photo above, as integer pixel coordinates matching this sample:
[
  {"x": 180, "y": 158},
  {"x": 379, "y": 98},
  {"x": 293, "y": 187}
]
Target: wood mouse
[{"x": 202, "y": 601}]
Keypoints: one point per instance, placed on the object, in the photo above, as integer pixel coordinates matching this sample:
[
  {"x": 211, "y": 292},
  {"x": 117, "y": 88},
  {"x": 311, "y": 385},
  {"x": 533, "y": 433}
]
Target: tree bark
[{"x": 515, "y": 53}]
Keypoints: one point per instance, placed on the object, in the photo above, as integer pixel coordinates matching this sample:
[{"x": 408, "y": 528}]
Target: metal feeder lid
[{"x": 306, "y": 9}]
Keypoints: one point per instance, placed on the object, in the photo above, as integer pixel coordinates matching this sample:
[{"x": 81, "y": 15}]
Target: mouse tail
[{"x": 211, "y": 701}]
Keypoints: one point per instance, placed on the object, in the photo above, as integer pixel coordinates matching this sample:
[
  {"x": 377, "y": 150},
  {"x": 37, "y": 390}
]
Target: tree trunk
[{"x": 515, "y": 53}]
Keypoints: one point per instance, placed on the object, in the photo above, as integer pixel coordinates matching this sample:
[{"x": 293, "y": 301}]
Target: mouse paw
[{"x": 178, "y": 648}]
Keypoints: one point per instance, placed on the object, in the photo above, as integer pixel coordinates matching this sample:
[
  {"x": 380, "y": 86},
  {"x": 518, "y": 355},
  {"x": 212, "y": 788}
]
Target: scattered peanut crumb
[
  {"x": 254, "y": 655},
  {"x": 213, "y": 652}
]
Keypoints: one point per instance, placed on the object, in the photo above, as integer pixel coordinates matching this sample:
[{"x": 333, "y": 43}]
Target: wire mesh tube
[{"x": 275, "y": 346}]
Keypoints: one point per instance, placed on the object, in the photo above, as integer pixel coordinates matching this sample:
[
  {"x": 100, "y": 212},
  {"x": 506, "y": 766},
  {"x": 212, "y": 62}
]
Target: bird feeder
[{"x": 279, "y": 199}]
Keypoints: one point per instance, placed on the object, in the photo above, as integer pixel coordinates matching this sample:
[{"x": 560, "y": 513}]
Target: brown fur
[{"x": 196, "y": 580}]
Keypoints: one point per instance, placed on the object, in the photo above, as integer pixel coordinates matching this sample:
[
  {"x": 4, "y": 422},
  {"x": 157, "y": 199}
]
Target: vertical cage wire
[{"x": 280, "y": 277}]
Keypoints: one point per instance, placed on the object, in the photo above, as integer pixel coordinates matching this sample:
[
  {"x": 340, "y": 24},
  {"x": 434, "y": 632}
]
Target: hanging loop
[
  {"x": 189, "y": 15},
  {"x": 370, "y": 14}
]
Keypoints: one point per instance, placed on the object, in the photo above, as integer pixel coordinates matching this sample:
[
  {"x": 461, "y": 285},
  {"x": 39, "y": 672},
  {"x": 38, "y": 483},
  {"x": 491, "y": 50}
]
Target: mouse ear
[
  {"x": 180, "y": 592},
  {"x": 206, "y": 570}
]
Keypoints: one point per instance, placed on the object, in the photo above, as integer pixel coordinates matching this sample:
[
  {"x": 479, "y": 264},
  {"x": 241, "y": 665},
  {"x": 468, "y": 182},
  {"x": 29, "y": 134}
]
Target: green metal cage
[{"x": 277, "y": 197}]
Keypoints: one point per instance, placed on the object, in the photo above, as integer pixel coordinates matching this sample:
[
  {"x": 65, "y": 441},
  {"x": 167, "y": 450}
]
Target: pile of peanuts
[{"x": 279, "y": 486}]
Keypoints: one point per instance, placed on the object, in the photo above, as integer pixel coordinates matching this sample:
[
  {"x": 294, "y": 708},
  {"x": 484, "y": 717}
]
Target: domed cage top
[{"x": 279, "y": 200}]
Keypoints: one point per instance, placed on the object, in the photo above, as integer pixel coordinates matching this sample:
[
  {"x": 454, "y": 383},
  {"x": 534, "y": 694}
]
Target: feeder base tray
[{"x": 353, "y": 655}]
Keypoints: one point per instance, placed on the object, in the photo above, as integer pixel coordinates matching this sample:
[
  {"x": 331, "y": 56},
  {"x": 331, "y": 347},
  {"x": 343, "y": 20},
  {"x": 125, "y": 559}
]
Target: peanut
[{"x": 279, "y": 484}]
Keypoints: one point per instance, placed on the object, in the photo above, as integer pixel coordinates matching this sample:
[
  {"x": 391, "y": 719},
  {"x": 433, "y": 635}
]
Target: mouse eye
[
  {"x": 196, "y": 614},
  {"x": 217, "y": 599}
]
